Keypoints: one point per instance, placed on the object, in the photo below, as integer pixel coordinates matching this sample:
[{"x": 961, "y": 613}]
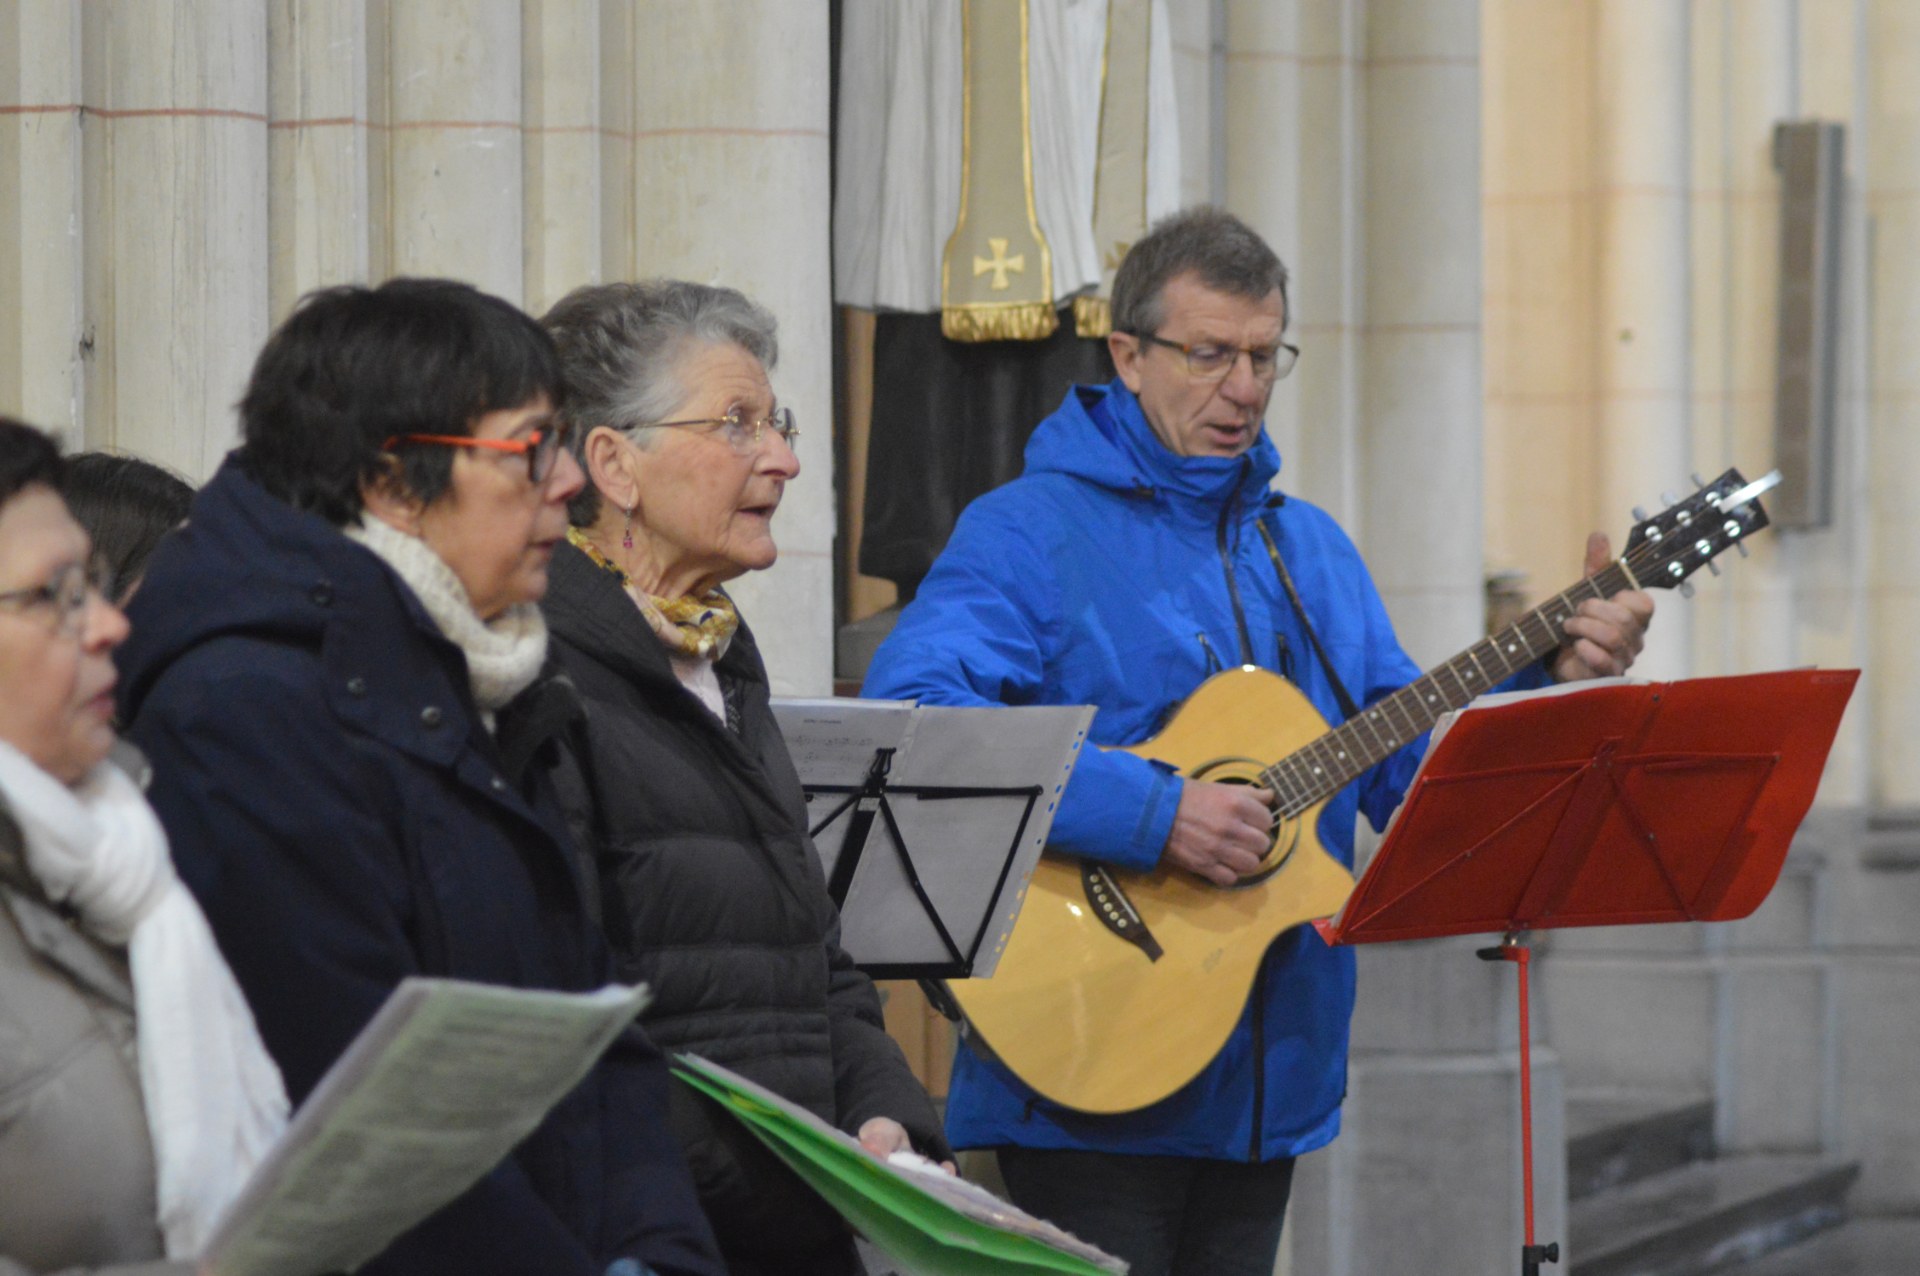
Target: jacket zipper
[{"x": 1227, "y": 512}]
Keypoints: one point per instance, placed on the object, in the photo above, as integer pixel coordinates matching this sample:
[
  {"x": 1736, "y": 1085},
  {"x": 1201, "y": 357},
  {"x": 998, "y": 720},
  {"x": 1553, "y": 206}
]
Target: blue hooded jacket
[{"x": 1115, "y": 573}]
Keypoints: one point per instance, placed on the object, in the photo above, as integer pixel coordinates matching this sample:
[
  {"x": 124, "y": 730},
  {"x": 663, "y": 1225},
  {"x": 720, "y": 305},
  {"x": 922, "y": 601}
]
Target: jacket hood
[
  {"x": 1100, "y": 435},
  {"x": 247, "y": 563}
]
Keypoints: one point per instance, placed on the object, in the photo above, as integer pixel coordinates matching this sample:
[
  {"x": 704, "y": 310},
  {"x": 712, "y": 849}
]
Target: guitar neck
[{"x": 1335, "y": 759}]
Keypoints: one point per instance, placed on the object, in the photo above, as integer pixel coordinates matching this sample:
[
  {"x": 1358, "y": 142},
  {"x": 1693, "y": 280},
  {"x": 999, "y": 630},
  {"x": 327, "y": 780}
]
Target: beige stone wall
[
  {"x": 174, "y": 175},
  {"x": 1631, "y": 220}
]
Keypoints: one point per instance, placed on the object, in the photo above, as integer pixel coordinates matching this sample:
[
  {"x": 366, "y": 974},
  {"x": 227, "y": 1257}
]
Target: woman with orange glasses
[{"x": 338, "y": 675}]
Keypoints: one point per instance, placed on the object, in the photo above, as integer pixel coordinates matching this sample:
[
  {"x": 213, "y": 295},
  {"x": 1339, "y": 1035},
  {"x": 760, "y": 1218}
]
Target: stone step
[
  {"x": 1858, "y": 1247},
  {"x": 1616, "y": 1137},
  {"x": 1707, "y": 1215}
]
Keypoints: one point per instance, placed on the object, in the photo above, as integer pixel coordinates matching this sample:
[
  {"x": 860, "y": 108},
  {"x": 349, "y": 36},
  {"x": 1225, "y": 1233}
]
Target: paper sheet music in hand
[
  {"x": 927, "y": 1221},
  {"x": 435, "y": 1091}
]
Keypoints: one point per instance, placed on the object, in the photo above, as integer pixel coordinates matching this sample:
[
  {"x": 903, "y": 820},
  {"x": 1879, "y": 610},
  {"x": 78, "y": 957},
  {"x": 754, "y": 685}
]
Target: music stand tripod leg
[{"x": 1531, "y": 1254}]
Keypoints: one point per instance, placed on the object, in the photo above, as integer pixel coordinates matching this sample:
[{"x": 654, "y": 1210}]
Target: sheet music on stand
[{"x": 929, "y": 821}]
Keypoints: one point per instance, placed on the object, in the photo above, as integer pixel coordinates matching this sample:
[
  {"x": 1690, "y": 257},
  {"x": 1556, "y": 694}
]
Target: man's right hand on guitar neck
[{"x": 1220, "y": 831}]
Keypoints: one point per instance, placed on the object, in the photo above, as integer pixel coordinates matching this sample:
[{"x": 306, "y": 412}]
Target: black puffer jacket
[{"x": 712, "y": 892}]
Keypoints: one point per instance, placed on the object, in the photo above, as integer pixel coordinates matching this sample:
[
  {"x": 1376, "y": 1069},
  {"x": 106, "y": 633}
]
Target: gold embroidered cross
[
  {"x": 1119, "y": 254},
  {"x": 1000, "y": 264}
]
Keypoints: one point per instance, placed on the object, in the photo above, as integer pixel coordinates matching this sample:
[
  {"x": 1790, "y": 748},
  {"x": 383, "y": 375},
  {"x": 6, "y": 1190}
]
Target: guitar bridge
[{"x": 1116, "y": 912}]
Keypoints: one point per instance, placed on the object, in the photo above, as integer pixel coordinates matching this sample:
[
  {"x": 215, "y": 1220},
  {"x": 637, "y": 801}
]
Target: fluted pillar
[
  {"x": 41, "y": 249},
  {"x": 728, "y": 182},
  {"x": 175, "y": 223},
  {"x": 1539, "y": 291},
  {"x": 1893, "y": 198},
  {"x": 319, "y": 224},
  {"x": 448, "y": 138},
  {"x": 563, "y": 148},
  {"x": 1644, "y": 326},
  {"x": 1420, "y": 355}
]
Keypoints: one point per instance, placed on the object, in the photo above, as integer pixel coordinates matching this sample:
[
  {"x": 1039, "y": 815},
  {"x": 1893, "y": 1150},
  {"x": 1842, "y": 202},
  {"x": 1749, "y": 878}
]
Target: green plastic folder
[{"x": 941, "y": 1229}]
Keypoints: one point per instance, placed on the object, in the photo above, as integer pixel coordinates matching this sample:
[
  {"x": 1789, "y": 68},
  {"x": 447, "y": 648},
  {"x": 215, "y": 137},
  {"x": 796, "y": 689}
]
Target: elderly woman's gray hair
[{"x": 621, "y": 349}]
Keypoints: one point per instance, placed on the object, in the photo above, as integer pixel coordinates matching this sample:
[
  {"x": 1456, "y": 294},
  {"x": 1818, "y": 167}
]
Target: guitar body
[{"x": 1089, "y": 1019}]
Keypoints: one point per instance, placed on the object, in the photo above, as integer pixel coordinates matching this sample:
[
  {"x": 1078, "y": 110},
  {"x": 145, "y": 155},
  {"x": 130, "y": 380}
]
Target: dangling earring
[{"x": 626, "y": 537}]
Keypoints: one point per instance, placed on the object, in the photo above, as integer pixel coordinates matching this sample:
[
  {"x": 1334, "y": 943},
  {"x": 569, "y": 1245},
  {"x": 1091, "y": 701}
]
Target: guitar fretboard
[{"x": 1328, "y": 764}]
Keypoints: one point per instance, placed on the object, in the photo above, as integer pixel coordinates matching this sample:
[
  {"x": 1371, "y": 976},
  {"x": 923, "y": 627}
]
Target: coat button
[
  {"x": 499, "y": 785},
  {"x": 356, "y": 686},
  {"x": 322, "y": 594},
  {"x": 430, "y": 716}
]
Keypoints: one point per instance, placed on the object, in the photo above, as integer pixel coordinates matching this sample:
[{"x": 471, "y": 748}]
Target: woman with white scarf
[
  {"x": 338, "y": 673},
  {"x": 135, "y": 1095}
]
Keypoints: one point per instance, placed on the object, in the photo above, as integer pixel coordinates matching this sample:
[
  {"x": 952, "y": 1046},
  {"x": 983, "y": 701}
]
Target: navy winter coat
[
  {"x": 346, "y": 820},
  {"x": 1115, "y": 573}
]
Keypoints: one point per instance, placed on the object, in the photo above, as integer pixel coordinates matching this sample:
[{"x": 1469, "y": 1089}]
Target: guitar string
[{"x": 1325, "y": 765}]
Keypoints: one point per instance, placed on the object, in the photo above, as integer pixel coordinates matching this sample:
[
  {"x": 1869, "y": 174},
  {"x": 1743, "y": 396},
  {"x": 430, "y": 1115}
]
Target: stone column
[
  {"x": 1293, "y": 159},
  {"x": 1539, "y": 290},
  {"x": 1644, "y": 329},
  {"x": 1420, "y": 357},
  {"x": 42, "y": 325},
  {"x": 448, "y": 142},
  {"x": 319, "y": 225},
  {"x": 1893, "y": 202},
  {"x": 562, "y": 76},
  {"x": 175, "y": 223},
  {"x": 728, "y": 182}
]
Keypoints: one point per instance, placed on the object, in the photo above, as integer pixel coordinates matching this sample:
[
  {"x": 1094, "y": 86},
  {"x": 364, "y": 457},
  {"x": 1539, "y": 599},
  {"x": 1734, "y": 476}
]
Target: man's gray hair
[
  {"x": 1212, "y": 243},
  {"x": 622, "y": 347}
]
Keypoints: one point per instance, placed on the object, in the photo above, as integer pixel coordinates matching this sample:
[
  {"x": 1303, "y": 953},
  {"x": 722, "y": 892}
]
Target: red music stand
[{"x": 1609, "y": 805}]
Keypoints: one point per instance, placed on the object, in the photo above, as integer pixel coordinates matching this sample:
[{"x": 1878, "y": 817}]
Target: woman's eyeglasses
[
  {"x": 742, "y": 434},
  {"x": 65, "y": 594},
  {"x": 541, "y": 448}
]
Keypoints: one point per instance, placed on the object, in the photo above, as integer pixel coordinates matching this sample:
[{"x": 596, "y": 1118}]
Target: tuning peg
[
  {"x": 1686, "y": 589},
  {"x": 1697, "y": 480},
  {"x": 1714, "y": 568},
  {"x": 1742, "y": 547},
  {"x": 1639, "y": 513},
  {"x": 1668, "y": 498}
]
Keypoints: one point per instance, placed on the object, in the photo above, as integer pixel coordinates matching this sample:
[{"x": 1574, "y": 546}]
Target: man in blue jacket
[{"x": 1121, "y": 569}]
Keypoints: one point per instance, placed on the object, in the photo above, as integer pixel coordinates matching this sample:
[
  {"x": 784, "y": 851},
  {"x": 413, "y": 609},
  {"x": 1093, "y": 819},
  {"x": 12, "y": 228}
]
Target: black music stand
[{"x": 957, "y": 803}]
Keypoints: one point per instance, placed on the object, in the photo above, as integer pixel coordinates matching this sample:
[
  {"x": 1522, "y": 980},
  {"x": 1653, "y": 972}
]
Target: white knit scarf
[
  {"x": 215, "y": 1102},
  {"x": 504, "y": 654}
]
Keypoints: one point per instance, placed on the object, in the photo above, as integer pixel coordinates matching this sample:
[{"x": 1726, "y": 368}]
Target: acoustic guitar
[{"x": 1117, "y": 988}]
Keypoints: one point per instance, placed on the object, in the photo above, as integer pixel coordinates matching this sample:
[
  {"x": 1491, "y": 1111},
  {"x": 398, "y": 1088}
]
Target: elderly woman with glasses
[
  {"x": 135, "y": 1096},
  {"x": 680, "y": 784},
  {"x": 339, "y": 673}
]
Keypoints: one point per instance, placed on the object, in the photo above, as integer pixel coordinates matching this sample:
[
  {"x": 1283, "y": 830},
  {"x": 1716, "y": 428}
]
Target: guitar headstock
[{"x": 1664, "y": 550}]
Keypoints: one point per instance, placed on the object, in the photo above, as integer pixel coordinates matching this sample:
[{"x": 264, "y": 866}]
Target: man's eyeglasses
[
  {"x": 1213, "y": 363},
  {"x": 742, "y": 434},
  {"x": 541, "y": 448},
  {"x": 66, "y": 595}
]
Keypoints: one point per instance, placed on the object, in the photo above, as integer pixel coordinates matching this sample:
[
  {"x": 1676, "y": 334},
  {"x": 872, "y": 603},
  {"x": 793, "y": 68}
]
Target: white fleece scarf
[
  {"x": 215, "y": 1102},
  {"x": 504, "y": 654}
]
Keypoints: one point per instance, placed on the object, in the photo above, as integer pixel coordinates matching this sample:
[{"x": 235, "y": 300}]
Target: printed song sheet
[{"x": 433, "y": 1094}]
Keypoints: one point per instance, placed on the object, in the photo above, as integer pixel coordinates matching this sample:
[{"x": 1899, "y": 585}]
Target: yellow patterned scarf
[{"x": 692, "y": 626}]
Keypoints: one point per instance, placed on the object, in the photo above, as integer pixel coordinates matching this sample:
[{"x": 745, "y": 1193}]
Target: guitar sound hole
[{"x": 1286, "y": 832}]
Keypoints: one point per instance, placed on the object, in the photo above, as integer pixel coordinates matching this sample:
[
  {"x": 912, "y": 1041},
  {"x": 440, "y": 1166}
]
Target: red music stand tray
[{"x": 1610, "y": 805}]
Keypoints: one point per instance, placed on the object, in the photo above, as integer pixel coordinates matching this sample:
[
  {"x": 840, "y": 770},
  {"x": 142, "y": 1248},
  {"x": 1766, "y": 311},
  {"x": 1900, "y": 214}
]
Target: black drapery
[{"x": 950, "y": 421}]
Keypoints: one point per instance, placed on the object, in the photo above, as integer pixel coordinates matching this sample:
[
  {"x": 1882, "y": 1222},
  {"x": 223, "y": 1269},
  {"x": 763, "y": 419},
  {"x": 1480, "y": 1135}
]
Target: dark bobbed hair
[
  {"x": 355, "y": 366},
  {"x": 126, "y": 504},
  {"x": 1227, "y": 254},
  {"x": 28, "y": 458}
]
